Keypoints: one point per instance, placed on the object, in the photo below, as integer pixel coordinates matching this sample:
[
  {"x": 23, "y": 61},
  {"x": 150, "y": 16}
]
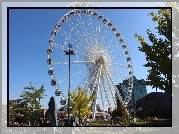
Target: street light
[{"x": 69, "y": 52}]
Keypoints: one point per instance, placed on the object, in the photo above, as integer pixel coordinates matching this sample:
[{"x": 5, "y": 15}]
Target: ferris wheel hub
[{"x": 101, "y": 60}]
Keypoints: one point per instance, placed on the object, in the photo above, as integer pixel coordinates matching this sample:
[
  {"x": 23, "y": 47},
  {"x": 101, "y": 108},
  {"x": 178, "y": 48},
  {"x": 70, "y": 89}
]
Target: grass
[{"x": 150, "y": 123}]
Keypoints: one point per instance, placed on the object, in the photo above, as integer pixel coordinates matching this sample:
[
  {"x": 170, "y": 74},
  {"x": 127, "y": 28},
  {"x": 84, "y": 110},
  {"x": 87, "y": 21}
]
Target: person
[
  {"x": 76, "y": 124},
  {"x": 71, "y": 120},
  {"x": 111, "y": 119},
  {"x": 85, "y": 121},
  {"x": 60, "y": 123}
]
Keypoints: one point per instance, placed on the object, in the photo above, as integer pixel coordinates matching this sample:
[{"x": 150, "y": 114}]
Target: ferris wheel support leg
[
  {"x": 95, "y": 102},
  {"x": 94, "y": 110},
  {"x": 99, "y": 82}
]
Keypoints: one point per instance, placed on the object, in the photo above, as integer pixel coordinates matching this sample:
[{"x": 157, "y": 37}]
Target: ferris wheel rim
[{"x": 70, "y": 14}]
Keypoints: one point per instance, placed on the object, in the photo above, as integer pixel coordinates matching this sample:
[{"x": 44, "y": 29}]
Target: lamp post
[{"x": 69, "y": 52}]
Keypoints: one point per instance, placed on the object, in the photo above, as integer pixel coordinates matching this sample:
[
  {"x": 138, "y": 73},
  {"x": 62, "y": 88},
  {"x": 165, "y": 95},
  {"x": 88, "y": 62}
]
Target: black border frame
[{"x": 127, "y": 8}]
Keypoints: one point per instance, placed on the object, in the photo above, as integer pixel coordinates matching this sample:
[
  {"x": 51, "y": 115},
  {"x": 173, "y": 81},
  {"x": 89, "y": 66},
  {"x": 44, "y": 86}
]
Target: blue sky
[{"x": 30, "y": 31}]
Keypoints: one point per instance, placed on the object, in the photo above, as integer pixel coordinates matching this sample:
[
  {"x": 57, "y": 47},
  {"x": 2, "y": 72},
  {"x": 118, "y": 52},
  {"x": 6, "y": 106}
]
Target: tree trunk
[{"x": 79, "y": 117}]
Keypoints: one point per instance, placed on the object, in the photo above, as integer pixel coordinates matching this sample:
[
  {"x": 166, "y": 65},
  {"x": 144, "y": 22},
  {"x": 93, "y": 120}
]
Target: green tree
[
  {"x": 16, "y": 108},
  {"x": 13, "y": 110},
  {"x": 158, "y": 54},
  {"x": 80, "y": 103},
  {"x": 120, "y": 111},
  {"x": 29, "y": 97}
]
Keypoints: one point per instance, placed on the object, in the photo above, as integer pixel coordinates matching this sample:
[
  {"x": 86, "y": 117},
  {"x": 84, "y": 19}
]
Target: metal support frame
[{"x": 69, "y": 52}]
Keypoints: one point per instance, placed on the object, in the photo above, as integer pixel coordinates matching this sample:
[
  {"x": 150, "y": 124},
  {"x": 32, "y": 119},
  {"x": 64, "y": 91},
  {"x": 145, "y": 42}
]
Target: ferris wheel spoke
[
  {"x": 102, "y": 38},
  {"x": 100, "y": 35},
  {"x": 96, "y": 38},
  {"x": 126, "y": 53},
  {"x": 91, "y": 29},
  {"x": 122, "y": 67},
  {"x": 119, "y": 65},
  {"x": 89, "y": 56},
  {"x": 84, "y": 30},
  {"x": 107, "y": 46},
  {"x": 97, "y": 28},
  {"x": 116, "y": 90},
  {"x": 73, "y": 62},
  {"x": 113, "y": 49},
  {"x": 58, "y": 46},
  {"x": 97, "y": 35},
  {"x": 110, "y": 86},
  {"x": 66, "y": 35},
  {"x": 118, "y": 56},
  {"x": 117, "y": 73},
  {"x": 88, "y": 76},
  {"x": 88, "y": 82},
  {"x": 80, "y": 37},
  {"x": 72, "y": 75},
  {"x": 90, "y": 36},
  {"x": 73, "y": 41}
]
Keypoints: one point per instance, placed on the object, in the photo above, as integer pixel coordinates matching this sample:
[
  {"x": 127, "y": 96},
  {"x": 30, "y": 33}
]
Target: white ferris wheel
[{"x": 101, "y": 61}]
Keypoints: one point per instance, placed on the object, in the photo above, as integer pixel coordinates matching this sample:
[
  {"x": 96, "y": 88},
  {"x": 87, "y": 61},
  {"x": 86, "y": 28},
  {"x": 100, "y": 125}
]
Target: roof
[
  {"x": 63, "y": 108},
  {"x": 155, "y": 103}
]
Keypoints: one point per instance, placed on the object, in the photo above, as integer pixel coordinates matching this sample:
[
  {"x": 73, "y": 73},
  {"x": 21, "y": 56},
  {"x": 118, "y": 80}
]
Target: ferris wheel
[{"x": 101, "y": 61}]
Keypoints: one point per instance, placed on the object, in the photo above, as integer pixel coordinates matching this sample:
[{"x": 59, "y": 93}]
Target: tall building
[{"x": 138, "y": 91}]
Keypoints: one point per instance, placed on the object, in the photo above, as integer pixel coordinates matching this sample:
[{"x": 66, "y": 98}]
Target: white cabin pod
[
  {"x": 53, "y": 82},
  {"x": 49, "y": 51},
  {"x": 51, "y": 41},
  {"x": 63, "y": 101},
  {"x": 130, "y": 73},
  {"x": 49, "y": 61},
  {"x": 58, "y": 92},
  {"x": 50, "y": 72},
  {"x": 129, "y": 65},
  {"x": 114, "y": 29},
  {"x": 128, "y": 59},
  {"x": 109, "y": 25}
]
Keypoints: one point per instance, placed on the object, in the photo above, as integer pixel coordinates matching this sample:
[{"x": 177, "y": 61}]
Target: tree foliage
[
  {"x": 80, "y": 101},
  {"x": 158, "y": 54},
  {"x": 29, "y": 100},
  {"x": 121, "y": 112},
  {"x": 14, "y": 109}
]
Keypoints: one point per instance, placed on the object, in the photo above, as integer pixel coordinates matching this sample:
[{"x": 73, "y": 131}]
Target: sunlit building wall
[{"x": 139, "y": 90}]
